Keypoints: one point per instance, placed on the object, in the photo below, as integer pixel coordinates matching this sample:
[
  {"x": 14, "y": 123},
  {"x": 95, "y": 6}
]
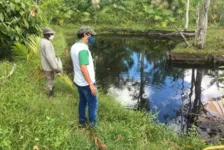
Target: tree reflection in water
[
  {"x": 197, "y": 100},
  {"x": 136, "y": 72},
  {"x": 201, "y": 113},
  {"x": 116, "y": 57}
]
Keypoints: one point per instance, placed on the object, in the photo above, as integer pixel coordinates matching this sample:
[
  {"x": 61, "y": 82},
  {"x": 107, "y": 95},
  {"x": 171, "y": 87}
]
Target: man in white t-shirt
[{"x": 84, "y": 75}]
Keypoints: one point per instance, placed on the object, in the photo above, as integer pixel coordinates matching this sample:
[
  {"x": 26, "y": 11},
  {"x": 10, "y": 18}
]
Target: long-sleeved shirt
[{"x": 48, "y": 57}]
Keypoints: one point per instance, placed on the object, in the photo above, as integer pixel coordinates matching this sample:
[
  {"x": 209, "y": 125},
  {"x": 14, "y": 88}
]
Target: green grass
[
  {"x": 214, "y": 44},
  {"x": 28, "y": 118}
]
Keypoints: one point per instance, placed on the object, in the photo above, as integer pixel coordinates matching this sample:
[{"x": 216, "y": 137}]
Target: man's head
[
  {"x": 86, "y": 34},
  {"x": 48, "y": 33}
]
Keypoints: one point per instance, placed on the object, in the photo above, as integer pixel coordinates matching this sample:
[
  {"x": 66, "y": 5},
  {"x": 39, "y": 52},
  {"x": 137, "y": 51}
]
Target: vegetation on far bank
[{"x": 214, "y": 44}]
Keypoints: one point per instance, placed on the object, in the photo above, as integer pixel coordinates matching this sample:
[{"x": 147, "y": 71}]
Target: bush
[{"x": 18, "y": 20}]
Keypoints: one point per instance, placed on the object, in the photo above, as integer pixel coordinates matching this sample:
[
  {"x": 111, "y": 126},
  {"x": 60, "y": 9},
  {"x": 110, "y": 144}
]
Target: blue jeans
[{"x": 86, "y": 98}]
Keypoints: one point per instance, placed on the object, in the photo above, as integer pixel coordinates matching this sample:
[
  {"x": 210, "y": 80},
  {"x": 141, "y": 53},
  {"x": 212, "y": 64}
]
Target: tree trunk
[
  {"x": 95, "y": 2},
  {"x": 202, "y": 28},
  {"x": 197, "y": 23},
  {"x": 187, "y": 15}
]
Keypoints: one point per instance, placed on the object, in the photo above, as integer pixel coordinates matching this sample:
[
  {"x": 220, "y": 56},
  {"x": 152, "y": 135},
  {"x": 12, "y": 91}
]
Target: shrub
[{"x": 18, "y": 20}]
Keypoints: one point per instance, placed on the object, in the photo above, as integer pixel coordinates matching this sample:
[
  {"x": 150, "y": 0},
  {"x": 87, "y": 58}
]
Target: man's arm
[
  {"x": 50, "y": 56},
  {"x": 88, "y": 79},
  {"x": 86, "y": 74},
  {"x": 84, "y": 61}
]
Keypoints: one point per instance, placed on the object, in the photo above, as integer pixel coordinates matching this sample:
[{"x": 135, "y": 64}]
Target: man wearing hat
[
  {"x": 84, "y": 75},
  {"x": 48, "y": 58}
]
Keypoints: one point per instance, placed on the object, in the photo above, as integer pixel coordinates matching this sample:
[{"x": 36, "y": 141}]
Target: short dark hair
[{"x": 80, "y": 35}]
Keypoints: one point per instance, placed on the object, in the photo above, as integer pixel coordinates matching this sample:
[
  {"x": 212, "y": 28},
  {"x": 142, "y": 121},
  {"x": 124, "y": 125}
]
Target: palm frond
[
  {"x": 33, "y": 45},
  {"x": 19, "y": 51}
]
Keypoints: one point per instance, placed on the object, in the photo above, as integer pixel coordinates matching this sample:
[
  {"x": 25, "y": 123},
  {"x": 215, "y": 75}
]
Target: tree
[
  {"x": 203, "y": 23},
  {"x": 187, "y": 14}
]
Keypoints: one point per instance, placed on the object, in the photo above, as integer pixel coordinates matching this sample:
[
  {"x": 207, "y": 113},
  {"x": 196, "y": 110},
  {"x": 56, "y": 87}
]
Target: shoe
[
  {"x": 82, "y": 125},
  {"x": 51, "y": 93},
  {"x": 92, "y": 124}
]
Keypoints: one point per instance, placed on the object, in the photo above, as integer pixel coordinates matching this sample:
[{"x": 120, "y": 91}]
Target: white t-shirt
[{"x": 80, "y": 55}]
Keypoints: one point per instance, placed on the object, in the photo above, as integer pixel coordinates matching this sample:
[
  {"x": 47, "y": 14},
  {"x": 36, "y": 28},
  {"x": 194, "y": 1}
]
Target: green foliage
[
  {"x": 110, "y": 12},
  {"x": 56, "y": 11},
  {"x": 156, "y": 13},
  {"x": 134, "y": 11},
  {"x": 28, "y": 51},
  {"x": 18, "y": 20},
  {"x": 19, "y": 51},
  {"x": 216, "y": 12},
  {"x": 33, "y": 45}
]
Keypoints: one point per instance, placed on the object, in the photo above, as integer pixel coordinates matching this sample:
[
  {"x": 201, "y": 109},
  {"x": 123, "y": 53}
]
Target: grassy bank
[
  {"x": 214, "y": 44},
  {"x": 29, "y": 118}
]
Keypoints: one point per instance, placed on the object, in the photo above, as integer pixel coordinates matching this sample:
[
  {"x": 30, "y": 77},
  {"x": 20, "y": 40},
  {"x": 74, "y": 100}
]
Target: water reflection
[
  {"x": 128, "y": 67},
  {"x": 135, "y": 72}
]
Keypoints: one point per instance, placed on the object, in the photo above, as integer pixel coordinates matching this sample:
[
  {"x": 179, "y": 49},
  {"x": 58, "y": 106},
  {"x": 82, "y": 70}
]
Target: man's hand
[
  {"x": 59, "y": 74},
  {"x": 57, "y": 70},
  {"x": 93, "y": 89}
]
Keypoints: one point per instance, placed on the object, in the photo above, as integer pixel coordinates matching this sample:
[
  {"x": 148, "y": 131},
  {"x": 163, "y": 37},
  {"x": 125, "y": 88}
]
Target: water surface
[{"x": 135, "y": 71}]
